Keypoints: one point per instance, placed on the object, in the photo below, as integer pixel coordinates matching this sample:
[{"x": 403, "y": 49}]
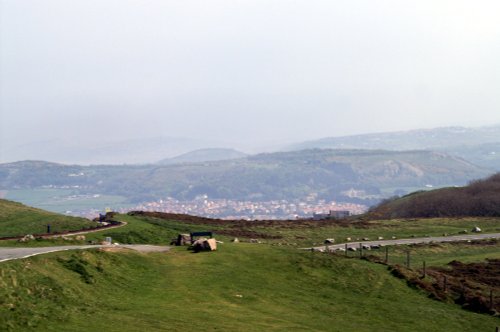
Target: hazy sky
[{"x": 245, "y": 70}]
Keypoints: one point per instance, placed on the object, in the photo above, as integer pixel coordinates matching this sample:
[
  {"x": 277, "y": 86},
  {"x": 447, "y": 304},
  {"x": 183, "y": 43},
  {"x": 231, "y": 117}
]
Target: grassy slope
[
  {"x": 17, "y": 219},
  {"x": 282, "y": 289}
]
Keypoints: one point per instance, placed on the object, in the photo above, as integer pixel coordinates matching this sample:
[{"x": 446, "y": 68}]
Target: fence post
[
  {"x": 360, "y": 250},
  {"x": 408, "y": 259},
  {"x": 346, "y": 249},
  {"x": 425, "y": 272},
  {"x": 386, "y": 255}
]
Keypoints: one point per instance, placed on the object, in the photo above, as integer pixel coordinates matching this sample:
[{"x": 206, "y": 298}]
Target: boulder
[
  {"x": 476, "y": 230},
  {"x": 80, "y": 237},
  {"x": 330, "y": 241},
  {"x": 183, "y": 239},
  {"x": 205, "y": 245},
  {"x": 26, "y": 238},
  {"x": 212, "y": 244},
  {"x": 235, "y": 240}
]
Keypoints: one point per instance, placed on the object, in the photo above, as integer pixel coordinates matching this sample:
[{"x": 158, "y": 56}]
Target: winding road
[
  {"x": 7, "y": 254},
  {"x": 416, "y": 240},
  {"x": 11, "y": 253}
]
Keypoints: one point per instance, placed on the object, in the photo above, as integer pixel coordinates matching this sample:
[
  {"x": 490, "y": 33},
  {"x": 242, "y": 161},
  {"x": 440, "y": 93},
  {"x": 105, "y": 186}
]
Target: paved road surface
[
  {"x": 455, "y": 238},
  {"x": 16, "y": 253}
]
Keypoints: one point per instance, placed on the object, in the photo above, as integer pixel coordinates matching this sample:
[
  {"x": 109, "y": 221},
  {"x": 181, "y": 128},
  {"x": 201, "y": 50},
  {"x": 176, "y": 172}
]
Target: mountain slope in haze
[
  {"x": 341, "y": 175},
  {"x": 114, "y": 152},
  {"x": 202, "y": 155},
  {"x": 478, "y": 145},
  {"x": 481, "y": 198},
  {"x": 17, "y": 219}
]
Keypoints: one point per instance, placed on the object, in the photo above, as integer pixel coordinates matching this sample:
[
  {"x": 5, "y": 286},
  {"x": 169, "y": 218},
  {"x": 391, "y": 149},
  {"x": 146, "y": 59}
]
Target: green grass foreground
[{"x": 241, "y": 287}]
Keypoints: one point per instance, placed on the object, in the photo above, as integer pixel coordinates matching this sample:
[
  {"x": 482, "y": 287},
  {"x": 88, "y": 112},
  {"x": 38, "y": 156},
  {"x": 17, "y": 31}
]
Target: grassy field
[
  {"x": 242, "y": 287},
  {"x": 17, "y": 219}
]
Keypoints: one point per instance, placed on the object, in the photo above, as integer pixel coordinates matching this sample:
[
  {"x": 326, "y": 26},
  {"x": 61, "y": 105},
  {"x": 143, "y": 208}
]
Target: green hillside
[
  {"x": 481, "y": 198},
  {"x": 17, "y": 219},
  {"x": 240, "y": 287}
]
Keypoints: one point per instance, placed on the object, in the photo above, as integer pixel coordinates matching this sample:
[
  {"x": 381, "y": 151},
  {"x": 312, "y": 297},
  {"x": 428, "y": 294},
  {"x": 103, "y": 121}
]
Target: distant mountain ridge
[
  {"x": 478, "y": 145},
  {"x": 420, "y": 139},
  {"x": 202, "y": 155}
]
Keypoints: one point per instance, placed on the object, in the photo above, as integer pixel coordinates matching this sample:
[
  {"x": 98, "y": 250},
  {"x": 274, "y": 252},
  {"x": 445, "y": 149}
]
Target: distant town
[{"x": 248, "y": 210}]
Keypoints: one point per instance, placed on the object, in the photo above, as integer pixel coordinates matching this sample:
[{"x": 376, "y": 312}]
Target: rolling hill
[
  {"x": 343, "y": 175},
  {"x": 480, "y": 198}
]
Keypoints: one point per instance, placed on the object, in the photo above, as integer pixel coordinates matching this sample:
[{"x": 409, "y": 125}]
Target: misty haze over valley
[{"x": 244, "y": 109}]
